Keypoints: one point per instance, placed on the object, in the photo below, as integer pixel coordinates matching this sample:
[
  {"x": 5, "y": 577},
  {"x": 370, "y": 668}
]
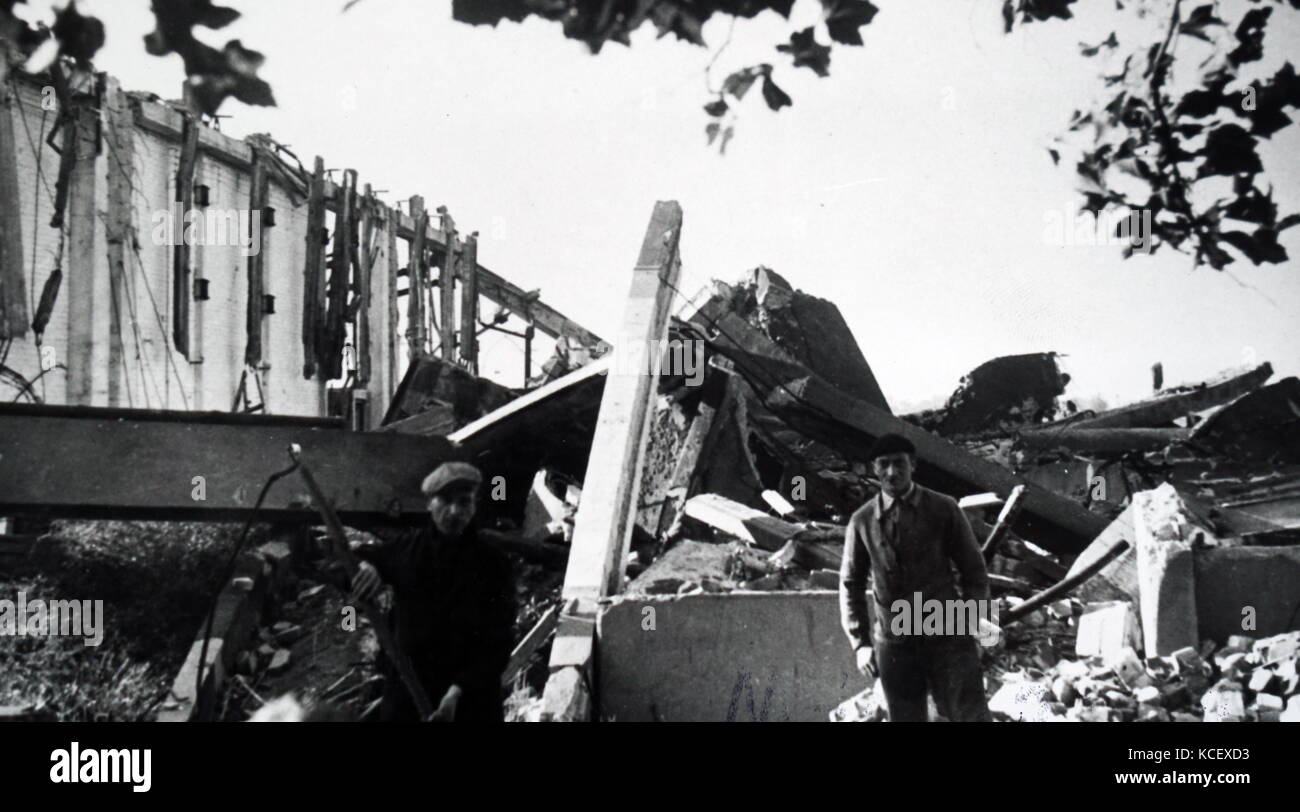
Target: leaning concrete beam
[
  {"x": 824, "y": 413},
  {"x": 1179, "y": 401},
  {"x": 603, "y": 525},
  {"x": 1101, "y": 440}
]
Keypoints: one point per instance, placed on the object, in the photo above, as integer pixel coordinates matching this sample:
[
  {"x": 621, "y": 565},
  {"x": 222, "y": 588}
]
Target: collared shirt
[{"x": 918, "y": 542}]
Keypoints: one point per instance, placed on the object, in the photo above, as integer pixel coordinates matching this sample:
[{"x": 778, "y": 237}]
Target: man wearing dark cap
[
  {"x": 454, "y": 604},
  {"x": 916, "y": 545}
]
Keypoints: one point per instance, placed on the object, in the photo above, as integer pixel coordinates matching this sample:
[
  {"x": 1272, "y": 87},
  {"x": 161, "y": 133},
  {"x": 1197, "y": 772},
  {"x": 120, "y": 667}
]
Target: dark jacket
[
  {"x": 453, "y": 613},
  {"x": 933, "y": 538}
]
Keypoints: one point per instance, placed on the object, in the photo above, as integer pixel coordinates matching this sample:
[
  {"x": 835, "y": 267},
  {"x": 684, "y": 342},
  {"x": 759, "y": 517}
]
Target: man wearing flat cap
[
  {"x": 916, "y": 545},
  {"x": 454, "y": 604}
]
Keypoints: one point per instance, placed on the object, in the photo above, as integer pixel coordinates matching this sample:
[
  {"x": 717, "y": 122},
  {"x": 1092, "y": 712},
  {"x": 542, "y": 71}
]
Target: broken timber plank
[
  {"x": 1179, "y": 401},
  {"x": 752, "y": 526},
  {"x": 538, "y": 635},
  {"x": 824, "y": 413},
  {"x": 603, "y": 526},
  {"x": 1006, "y": 517}
]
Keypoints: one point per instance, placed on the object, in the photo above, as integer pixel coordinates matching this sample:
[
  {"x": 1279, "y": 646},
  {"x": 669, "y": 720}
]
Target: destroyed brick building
[{"x": 1126, "y": 544}]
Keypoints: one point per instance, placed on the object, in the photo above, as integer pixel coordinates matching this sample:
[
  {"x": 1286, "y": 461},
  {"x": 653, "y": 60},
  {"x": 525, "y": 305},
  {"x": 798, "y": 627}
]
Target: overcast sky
[{"x": 911, "y": 187}]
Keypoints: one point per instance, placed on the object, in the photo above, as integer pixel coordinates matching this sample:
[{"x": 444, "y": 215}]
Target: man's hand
[
  {"x": 446, "y": 711},
  {"x": 366, "y": 583},
  {"x": 865, "y": 665}
]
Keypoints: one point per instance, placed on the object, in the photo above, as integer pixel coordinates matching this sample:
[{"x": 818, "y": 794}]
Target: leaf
[
  {"x": 738, "y": 83},
  {"x": 712, "y": 130},
  {"x": 845, "y": 17},
  {"x": 1229, "y": 150},
  {"x": 1093, "y": 50},
  {"x": 807, "y": 52},
  {"x": 1201, "y": 18},
  {"x": 1250, "y": 35},
  {"x": 1252, "y": 207},
  {"x": 1201, "y": 103},
  {"x": 1260, "y": 247},
  {"x": 79, "y": 37},
  {"x": 775, "y": 97},
  {"x": 1008, "y": 15},
  {"x": 716, "y": 108},
  {"x": 1056, "y": 157}
]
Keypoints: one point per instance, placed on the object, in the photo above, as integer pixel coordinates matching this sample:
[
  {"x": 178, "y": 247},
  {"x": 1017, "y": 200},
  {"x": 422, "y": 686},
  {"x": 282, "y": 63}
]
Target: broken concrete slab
[
  {"x": 1165, "y": 533},
  {"x": 739, "y": 657},
  {"x": 1107, "y": 629},
  {"x": 745, "y": 523},
  {"x": 1240, "y": 587},
  {"x": 790, "y": 325}
]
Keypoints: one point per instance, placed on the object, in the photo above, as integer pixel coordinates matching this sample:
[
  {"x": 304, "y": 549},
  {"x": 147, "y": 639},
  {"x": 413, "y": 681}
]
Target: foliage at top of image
[
  {"x": 214, "y": 74},
  {"x": 1184, "y": 150}
]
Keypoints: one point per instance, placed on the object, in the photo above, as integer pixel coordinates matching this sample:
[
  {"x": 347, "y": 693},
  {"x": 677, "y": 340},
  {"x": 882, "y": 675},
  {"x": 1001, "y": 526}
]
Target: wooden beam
[
  {"x": 419, "y": 280},
  {"x": 13, "y": 279},
  {"x": 87, "y": 347},
  {"x": 253, "y": 310},
  {"x": 331, "y": 357},
  {"x": 184, "y": 196},
  {"x": 604, "y": 523},
  {"x": 313, "y": 274},
  {"x": 469, "y": 305},
  {"x": 538, "y": 635},
  {"x": 119, "y": 136},
  {"x": 447, "y": 291},
  {"x": 366, "y": 258}
]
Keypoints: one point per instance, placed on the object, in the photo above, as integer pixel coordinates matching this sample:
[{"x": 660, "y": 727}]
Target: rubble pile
[
  {"x": 1243, "y": 680},
  {"x": 1151, "y": 522}
]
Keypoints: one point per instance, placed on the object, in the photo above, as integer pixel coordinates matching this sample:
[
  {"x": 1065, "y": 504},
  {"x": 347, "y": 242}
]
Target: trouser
[{"x": 946, "y": 667}]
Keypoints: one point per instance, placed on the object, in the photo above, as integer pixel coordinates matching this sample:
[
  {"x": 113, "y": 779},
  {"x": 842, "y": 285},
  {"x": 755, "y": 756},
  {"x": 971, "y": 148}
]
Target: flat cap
[
  {"x": 448, "y": 474},
  {"x": 891, "y": 444}
]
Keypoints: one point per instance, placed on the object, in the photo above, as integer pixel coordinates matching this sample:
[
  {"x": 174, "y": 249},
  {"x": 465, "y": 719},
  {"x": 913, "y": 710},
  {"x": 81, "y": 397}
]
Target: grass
[{"x": 156, "y": 580}]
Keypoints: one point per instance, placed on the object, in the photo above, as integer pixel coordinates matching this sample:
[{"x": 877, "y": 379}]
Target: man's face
[
  {"x": 452, "y": 510},
  {"x": 894, "y": 472}
]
